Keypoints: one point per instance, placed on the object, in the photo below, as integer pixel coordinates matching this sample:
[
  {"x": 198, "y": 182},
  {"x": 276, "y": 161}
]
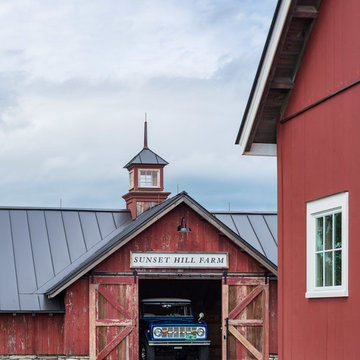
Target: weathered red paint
[
  {"x": 22, "y": 334},
  {"x": 115, "y": 318},
  {"x": 318, "y": 155},
  {"x": 76, "y": 318},
  {"x": 148, "y": 195},
  {"x": 163, "y": 235},
  {"x": 69, "y": 334}
]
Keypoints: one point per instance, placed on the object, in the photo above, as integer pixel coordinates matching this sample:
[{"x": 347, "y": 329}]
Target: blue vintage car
[{"x": 167, "y": 325}]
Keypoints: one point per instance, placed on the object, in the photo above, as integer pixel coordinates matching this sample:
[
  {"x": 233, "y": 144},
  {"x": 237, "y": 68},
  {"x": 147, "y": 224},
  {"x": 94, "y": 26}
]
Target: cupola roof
[{"x": 146, "y": 156}]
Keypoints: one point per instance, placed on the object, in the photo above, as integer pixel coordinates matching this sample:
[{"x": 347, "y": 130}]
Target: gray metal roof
[
  {"x": 37, "y": 244},
  {"x": 44, "y": 250},
  {"x": 148, "y": 157},
  {"x": 102, "y": 248},
  {"x": 257, "y": 229}
]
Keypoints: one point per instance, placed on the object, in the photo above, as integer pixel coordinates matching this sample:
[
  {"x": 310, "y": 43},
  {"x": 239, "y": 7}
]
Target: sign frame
[{"x": 179, "y": 260}]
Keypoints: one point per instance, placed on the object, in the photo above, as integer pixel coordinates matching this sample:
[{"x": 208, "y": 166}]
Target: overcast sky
[{"x": 77, "y": 76}]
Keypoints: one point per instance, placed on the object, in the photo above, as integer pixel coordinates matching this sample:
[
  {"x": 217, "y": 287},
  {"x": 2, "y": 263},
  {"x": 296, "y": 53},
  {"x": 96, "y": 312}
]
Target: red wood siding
[
  {"x": 69, "y": 334},
  {"x": 332, "y": 56},
  {"x": 76, "y": 339},
  {"x": 318, "y": 155},
  {"x": 26, "y": 334},
  {"x": 273, "y": 318},
  {"x": 163, "y": 235}
]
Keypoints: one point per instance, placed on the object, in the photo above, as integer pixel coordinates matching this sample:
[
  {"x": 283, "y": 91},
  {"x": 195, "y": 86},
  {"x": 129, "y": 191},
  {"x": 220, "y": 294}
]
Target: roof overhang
[
  {"x": 275, "y": 78},
  {"x": 120, "y": 242}
]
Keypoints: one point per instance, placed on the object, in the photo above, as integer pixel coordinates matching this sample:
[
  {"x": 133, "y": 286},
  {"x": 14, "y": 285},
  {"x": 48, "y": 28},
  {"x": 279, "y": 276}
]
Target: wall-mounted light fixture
[{"x": 182, "y": 227}]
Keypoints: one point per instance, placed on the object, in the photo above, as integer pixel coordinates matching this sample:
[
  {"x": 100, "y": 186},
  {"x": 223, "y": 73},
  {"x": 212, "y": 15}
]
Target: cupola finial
[{"x": 145, "y": 133}]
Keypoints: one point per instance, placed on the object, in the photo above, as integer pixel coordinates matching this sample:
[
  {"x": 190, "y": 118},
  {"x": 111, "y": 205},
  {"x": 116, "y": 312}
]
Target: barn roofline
[
  {"x": 270, "y": 90},
  {"x": 118, "y": 240}
]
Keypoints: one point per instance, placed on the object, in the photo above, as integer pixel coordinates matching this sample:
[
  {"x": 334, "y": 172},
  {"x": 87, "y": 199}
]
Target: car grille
[{"x": 178, "y": 332}]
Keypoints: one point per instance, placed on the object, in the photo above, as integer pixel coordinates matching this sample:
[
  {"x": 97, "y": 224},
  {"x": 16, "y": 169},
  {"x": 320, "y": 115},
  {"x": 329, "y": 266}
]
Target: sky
[{"x": 77, "y": 76}]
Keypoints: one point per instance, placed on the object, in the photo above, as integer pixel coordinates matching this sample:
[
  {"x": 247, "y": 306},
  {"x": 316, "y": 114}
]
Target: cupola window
[
  {"x": 149, "y": 178},
  {"x": 131, "y": 179}
]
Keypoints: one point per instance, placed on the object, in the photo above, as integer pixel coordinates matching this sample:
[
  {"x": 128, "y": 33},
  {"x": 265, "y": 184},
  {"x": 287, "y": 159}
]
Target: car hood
[{"x": 172, "y": 321}]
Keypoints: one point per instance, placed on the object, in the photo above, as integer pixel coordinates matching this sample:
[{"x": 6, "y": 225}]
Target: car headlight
[
  {"x": 200, "y": 332},
  {"x": 157, "y": 332}
]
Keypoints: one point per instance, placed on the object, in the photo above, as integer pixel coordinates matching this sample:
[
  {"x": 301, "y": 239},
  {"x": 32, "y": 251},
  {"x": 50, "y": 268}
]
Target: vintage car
[{"x": 167, "y": 326}]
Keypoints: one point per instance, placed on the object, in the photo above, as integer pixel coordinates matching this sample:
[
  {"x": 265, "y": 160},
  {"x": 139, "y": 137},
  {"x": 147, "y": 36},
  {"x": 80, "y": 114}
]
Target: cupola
[{"x": 146, "y": 180}]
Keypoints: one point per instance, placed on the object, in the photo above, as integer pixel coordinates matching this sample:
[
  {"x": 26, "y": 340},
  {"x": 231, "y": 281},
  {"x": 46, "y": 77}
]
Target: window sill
[{"x": 326, "y": 293}]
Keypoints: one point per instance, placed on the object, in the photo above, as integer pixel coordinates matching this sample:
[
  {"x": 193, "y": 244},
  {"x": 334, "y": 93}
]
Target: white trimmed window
[
  {"x": 142, "y": 206},
  {"x": 327, "y": 246},
  {"x": 149, "y": 178}
]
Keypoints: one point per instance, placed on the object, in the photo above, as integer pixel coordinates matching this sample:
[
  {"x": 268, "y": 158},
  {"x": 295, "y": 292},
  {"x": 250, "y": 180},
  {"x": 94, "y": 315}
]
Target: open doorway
[{"x": 205, "y": 296}]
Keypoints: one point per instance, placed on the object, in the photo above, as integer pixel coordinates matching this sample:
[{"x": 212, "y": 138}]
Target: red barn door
[
  {"x": 245, "y": 323},
  {"x": 113, "y": 318}
]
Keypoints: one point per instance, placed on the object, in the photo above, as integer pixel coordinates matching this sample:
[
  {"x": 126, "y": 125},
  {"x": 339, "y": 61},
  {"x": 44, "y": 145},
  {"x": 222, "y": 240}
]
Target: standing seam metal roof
[
  {"x": 37, "y": 244},
  {"x": 44, "y": 248},
  {"x": 257, "y": 229},
  {"x": 146, "y": 156}
]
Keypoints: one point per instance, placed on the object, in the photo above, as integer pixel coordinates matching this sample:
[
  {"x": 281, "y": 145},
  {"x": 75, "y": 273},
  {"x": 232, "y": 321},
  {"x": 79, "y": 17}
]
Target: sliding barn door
[
  {"x": 245, "y": 327},
  {"x": 113, "y": 318}
]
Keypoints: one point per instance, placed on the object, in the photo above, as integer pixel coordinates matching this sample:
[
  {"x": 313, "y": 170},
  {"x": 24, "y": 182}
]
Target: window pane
[
  {"x": 328, "y": 232},
  {"x": 337, "y": 269},
  {"x": 149, "y": 178},
  {"x": 319, "y": 269},
  {"x": 329, "y": 268},
  {"x": 131, "y": 179},
  {"x": 319, "y": 233},
  {"x": 337, "y": 230},
  {"x": 154, "y": 178}
]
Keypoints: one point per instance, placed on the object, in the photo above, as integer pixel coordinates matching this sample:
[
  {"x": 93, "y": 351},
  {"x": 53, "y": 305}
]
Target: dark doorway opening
[{"x": 205, "y": 296}]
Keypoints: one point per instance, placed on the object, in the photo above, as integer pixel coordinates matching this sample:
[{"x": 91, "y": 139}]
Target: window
[
  {"x": 149, "y": 178},
  {"x": 131, "y": 179},
  {"x": 327, "y": 246},
  {"x": 142, "y": 206}
]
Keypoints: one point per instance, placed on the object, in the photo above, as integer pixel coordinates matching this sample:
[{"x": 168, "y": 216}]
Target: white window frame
[
  {"x": 314, "y": 209},
  {"x": 152, "y": 170}
]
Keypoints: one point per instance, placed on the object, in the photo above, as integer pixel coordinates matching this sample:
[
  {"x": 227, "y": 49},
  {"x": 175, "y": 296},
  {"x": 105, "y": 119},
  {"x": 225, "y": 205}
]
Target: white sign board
[{"x": 179, "y": 260}]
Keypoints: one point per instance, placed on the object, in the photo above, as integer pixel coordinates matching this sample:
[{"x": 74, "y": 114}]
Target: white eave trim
[
  {"x": 261, "y": 150},
  {"x": 264, "y": 73}
]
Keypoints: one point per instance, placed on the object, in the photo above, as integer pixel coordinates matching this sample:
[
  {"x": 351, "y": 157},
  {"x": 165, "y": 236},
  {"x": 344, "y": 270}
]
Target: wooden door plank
[
  {"x": 92, "y": 320},
  {"x": 133, "y": 343},
  {"x": 242, "y": 305},
  {"x": 111, "y": 312},
  {"x": 266, "y": 323},
  {"x": 114, "y": 342},
  {"x": 118, "y": 303},
  {"x": 246, "y": 343},
  {"x": 248, "y": 281},
  {"x": 246, "y": 322},
  {"x": 225, "y": 313},
  {"x": 107, "y": 295},
  {"x": 114, "y": 322}
]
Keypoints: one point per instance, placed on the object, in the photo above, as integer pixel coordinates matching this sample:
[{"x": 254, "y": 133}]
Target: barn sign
[{"x": 208, "y": 260}]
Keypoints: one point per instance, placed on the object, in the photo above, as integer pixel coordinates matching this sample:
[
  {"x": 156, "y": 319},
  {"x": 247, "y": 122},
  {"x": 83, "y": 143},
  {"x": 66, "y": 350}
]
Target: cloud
[{"x": 79, "y": 76}]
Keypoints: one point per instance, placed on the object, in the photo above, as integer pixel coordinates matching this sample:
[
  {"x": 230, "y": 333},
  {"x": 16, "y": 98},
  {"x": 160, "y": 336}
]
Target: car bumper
[{"x": 179, "y": 343}]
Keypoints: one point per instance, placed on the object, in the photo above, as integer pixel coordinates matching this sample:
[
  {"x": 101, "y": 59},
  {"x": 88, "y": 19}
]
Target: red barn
[
  {"x": 304, "y": 107},
  {"x": 70, "y": 284}
]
